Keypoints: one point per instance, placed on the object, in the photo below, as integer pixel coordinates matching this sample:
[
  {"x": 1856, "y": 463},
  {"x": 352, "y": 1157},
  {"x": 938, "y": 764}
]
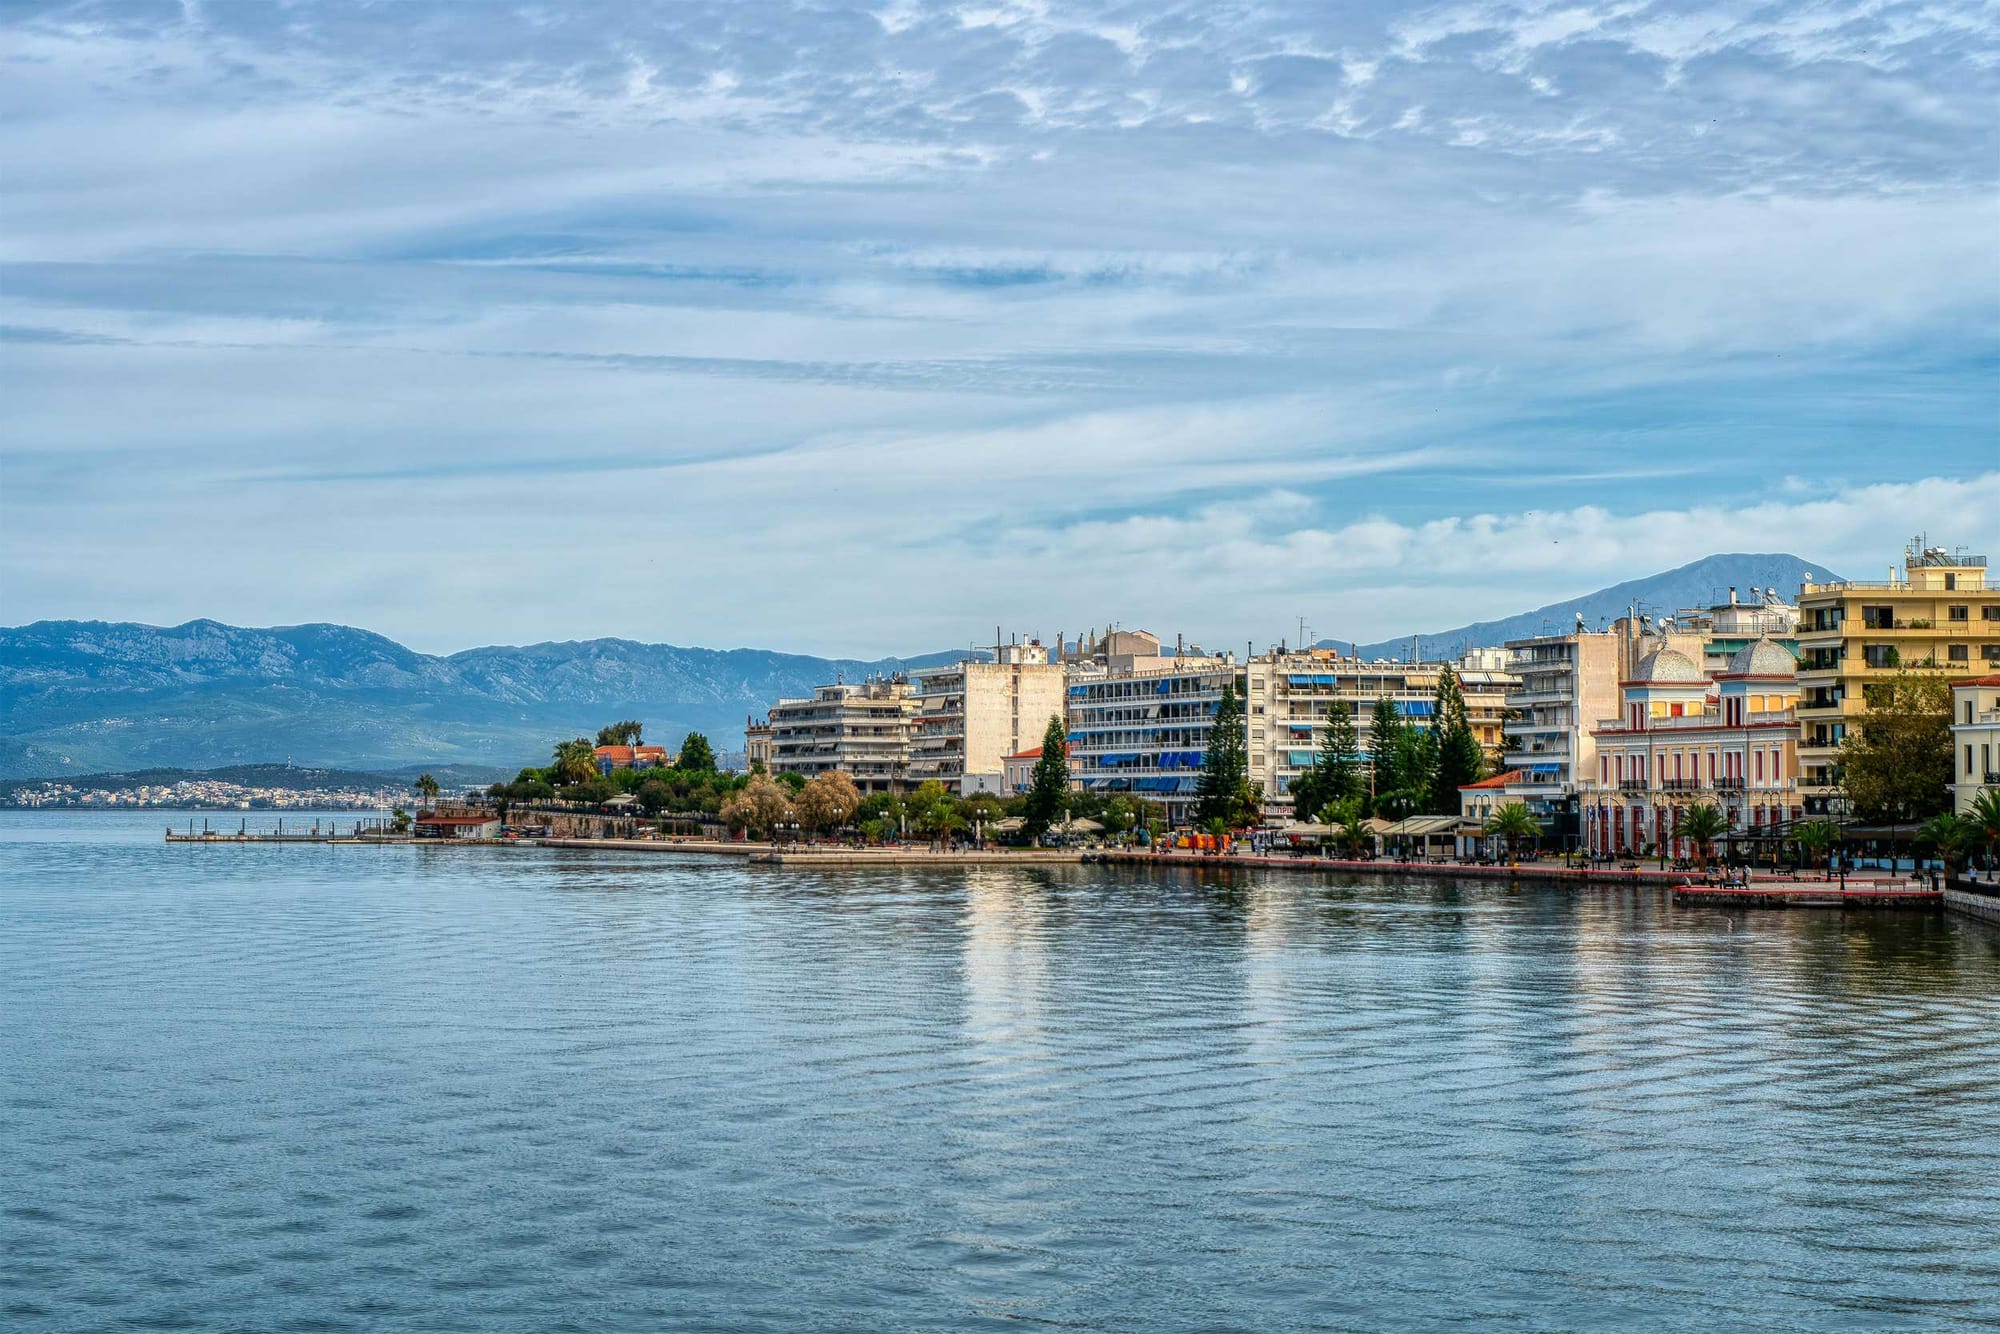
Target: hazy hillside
[
  {"x": 1694, "y": 585},
  {"x": 90, "y": 696}
]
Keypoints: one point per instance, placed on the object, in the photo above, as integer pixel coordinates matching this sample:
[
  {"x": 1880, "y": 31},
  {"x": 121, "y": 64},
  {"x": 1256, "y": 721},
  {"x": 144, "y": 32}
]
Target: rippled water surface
[{"x": 311, "y": 1088}]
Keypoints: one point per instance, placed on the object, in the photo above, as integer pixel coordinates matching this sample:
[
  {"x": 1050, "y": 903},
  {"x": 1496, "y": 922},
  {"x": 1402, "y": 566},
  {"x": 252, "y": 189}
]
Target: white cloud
[{"x": 1259, "y": 293}]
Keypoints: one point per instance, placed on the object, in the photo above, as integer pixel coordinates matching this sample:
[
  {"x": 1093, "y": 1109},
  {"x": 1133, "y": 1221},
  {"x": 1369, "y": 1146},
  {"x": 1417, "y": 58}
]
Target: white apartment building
[
  {"x": 1143, "y": 728},
  {"x": 1292, "y": 698},
  {"x": 971, "y": 716},
  {"x": 1975, "y": 739},
  {"x": 861, "y": 730},
  {"x": 1567, "y": 682}
]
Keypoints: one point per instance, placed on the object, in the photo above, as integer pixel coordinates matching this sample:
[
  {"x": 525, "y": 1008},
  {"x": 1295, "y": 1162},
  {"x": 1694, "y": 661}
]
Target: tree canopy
[
  {"x": 697, "y": 756},
  {"x": 627, "y": 733},
  {"x": 761, "y": 807},
  {"x": 1337, "y": 774},
  {"x": 826, "y": 803},
  {"x": 1896, "y": 764}
]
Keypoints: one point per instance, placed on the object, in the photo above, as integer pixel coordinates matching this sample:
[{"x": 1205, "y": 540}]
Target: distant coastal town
[{"x": 205, "y": 794}]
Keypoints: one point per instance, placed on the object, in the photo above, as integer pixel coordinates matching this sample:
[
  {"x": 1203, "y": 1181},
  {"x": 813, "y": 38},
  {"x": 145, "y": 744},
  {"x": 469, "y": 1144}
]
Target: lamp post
[{"x": 1838, "y": 809}]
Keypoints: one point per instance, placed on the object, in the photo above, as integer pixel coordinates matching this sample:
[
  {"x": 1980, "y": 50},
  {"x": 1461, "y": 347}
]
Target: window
[
  {"x": 1958, "y": 613},
  {"x": 1951, "y": 583},
  {"x": 1882, "y": 655},
  {"x": 1878, "y": 618},
  {"x": 1968, "y": 762},
  {"x": 1958, "y": 652},
  {"x": 1990, "y": 612}
]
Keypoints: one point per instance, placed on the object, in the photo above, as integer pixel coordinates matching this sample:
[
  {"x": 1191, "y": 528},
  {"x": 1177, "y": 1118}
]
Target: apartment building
[
  {"x": 1975, "y": 738},
  {"x": 1939, "y": 613},
  {"x": 861, "y": 730},
  {"x": 1291, "y": 698},
  {"x": 1142, "y": 727},
  {"x": 1681, "y": 737},
  {"x": 1567, "y": 682},
  {"x": 971, "y": 716}
]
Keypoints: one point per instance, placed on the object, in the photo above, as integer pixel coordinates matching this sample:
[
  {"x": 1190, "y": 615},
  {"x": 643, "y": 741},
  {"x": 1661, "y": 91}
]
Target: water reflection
[{"x": 404, "y": 1087}]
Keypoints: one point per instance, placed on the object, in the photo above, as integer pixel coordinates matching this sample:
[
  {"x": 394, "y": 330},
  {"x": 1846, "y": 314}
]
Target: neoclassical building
[{"x": 1683, "y": 738}]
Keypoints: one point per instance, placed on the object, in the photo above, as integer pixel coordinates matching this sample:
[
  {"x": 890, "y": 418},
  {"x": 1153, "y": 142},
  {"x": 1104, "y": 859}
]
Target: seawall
[{"x": 1983, "y": 906}]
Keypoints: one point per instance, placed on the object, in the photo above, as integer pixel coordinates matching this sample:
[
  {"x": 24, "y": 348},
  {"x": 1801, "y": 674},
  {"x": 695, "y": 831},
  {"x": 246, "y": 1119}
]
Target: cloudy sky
[{"x": 865, "y": 328}]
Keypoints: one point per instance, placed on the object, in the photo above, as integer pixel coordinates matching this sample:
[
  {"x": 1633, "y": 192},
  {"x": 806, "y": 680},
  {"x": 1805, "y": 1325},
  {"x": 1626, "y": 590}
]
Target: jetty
[{"x": 1810, "y": 894}]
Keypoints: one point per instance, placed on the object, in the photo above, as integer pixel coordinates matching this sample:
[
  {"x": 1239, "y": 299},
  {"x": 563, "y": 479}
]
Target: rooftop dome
[
  {"x": 1763, "y": 658},
  {"x": 1666, "y": 666}
]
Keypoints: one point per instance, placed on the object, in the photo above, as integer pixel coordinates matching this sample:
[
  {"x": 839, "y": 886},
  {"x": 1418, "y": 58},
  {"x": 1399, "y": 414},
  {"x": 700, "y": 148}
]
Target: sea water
[{"x": 432, "y": 1088}]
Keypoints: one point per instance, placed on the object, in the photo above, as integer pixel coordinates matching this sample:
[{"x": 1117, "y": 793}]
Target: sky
[{"x": 864, "y": 329}]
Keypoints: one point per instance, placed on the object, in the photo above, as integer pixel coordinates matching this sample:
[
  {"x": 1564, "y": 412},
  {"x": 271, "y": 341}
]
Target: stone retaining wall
[{"x": 1973, "y": 905}]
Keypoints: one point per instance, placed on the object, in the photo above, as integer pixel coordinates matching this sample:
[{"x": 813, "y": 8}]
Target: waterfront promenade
[{"x": 1865, "y": 890}]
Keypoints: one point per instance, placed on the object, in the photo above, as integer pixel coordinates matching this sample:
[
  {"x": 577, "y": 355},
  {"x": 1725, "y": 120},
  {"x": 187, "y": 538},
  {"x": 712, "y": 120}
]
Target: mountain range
[
  {"x": 82, "y": 697},
  {"x": 87, "y": 696}
]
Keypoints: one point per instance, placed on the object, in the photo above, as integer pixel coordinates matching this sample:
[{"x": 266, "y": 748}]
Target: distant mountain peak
[{"x": 1699, "y": 583}]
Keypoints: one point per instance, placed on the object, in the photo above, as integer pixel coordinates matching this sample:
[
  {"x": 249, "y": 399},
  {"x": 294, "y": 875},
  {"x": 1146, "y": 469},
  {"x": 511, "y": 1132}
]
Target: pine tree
[
  {"x": 1048, "y": 788},
  {"x": 1336, "y": 773},
  {"x": 696, "y": 755},
  {"x": 1386, "y": 750},
  {"x": 1223, "y": 791},
  {"x": 1459, "y": 759}
]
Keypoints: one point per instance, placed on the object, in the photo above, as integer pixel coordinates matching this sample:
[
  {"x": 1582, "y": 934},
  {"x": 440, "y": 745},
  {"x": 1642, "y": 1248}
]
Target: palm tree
[
  {"x": 427, "y": 788},
  {"x": 1702, "y": 824},
  {"x": 1816, "y": 839},
  {"x": 1350, "y": 828},
  {"x": 575, "y": 761},
  {"x": 1984, "y": 817},
  {"x": 1952, "y": 835},
  {"x": 1510, "y": 822}
]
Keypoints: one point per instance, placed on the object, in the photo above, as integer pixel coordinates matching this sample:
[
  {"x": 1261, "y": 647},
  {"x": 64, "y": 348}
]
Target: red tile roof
[
  {"x": 1497, "y": 780},
  {"x": 615, "y": 753},
  {"x": 1978, "y": 681}
]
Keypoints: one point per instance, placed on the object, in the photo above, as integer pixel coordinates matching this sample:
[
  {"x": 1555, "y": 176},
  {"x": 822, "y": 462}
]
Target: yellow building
[{"x": 1940, "y": 614}]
